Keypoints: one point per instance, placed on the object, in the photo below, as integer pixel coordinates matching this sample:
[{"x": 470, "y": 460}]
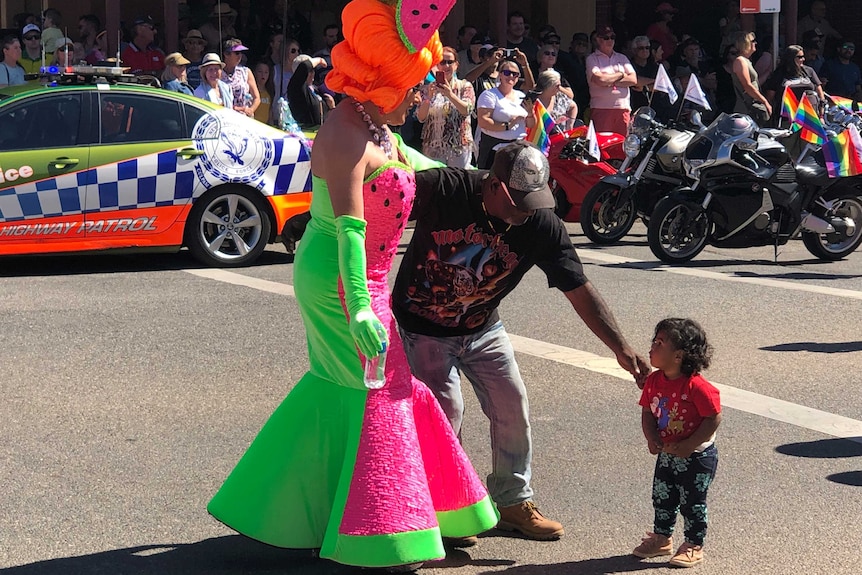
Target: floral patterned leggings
[{"x": 680, "y": 485}]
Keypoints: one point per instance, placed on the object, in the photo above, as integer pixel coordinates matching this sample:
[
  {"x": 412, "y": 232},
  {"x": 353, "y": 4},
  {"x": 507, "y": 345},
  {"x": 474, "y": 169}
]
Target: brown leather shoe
[
  {"x": 687, "y": 555},
  {"x": 526, "y": 519}
]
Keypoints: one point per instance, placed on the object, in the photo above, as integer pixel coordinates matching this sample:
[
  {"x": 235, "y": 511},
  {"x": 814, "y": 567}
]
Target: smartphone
[
  {"x": 440, "y": 78},
  {"x": 508, "y": 52}
]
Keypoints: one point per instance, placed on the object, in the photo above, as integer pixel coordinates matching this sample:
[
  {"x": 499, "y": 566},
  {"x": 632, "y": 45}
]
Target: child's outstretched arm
[
  {"x": 650, "y": 429},
  {"x": 686, "y": 447}
]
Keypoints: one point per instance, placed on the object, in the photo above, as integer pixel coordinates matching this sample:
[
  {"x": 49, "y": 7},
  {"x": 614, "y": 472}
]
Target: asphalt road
[{"x": 131, "y": 385}]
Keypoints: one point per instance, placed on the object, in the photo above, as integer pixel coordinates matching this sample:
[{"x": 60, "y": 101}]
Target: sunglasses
[
  {"x": 554, "y": 43},
  {"x": 510, "y": 73},
  {"x": 611, "y": 37},
  {"x": 447, "y": 62},
  {"x": 848, "y": 47},
  {"x": 549, "y": 53},
  {"x": 800, "y": 57},
  {"x": 32, "y": 37},
  {"x": 294, "y": 50}
]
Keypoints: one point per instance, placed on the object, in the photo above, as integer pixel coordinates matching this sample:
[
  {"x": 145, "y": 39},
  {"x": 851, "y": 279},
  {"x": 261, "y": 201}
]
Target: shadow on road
[
  {"x": 823, "y": 448},
  {"x": 815, "y": 347},
  {"x": 62, "y": 265},
  {"x": 227, "y": 555},
  {"x": 853, "y": 478},
  {"x": 597, "y": 566}
]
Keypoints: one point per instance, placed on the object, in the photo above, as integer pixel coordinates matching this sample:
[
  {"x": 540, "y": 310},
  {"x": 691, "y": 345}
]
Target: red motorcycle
[{"x": 574, "y": 172}]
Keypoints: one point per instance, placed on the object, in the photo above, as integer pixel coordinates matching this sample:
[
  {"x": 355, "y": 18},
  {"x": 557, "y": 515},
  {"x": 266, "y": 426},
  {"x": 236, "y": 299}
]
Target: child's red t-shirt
[{"x": 679, "y": 405}]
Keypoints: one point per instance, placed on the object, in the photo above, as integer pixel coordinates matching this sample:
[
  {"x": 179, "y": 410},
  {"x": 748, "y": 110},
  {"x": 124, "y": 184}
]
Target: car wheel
[
  {"x": 838, "y": 245},
  {"x": 228, "y": 227},
  {"x": 677, "y": 231}
]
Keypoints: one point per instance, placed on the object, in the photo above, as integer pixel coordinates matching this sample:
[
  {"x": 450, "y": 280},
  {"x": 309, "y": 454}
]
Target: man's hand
[{"x": 634, "y": 364}]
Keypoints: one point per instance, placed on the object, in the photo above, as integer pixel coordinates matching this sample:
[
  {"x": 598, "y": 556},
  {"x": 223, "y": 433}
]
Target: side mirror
[{"x": 697, "y": 120}]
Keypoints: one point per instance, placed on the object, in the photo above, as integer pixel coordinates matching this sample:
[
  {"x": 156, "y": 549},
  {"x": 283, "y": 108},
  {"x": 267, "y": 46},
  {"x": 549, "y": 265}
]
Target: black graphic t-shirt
[{"x": 461, "y": 263}]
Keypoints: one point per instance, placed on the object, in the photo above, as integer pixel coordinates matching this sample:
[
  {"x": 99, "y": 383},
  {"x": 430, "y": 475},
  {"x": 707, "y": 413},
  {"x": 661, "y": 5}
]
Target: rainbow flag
[
  {"x": 789, "y": 103},
  {"x": 846, "y": 103},
  {"x": 540, "y": 134},
  {"x": 809, "y": 122},
  {"x": 842, "y": 153}
]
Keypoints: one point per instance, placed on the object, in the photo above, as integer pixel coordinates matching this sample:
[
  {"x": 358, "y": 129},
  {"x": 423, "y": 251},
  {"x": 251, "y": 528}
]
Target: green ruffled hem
[
  {"x": 467, "y": 521},
  {"x": 414, "y": 546},
  {"x": 386, "y": 550}
]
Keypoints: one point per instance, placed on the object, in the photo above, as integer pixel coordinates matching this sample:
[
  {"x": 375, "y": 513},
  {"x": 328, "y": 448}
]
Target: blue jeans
[{"x": 488, "y": 360}]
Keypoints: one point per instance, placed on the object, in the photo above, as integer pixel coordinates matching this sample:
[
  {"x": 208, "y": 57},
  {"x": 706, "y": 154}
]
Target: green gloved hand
[
  {"x": 366, "y": 329},
  {"x": 368, "y": 332}
]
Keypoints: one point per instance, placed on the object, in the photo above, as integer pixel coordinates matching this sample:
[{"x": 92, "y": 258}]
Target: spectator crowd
[{"x": 484, "y": 89}]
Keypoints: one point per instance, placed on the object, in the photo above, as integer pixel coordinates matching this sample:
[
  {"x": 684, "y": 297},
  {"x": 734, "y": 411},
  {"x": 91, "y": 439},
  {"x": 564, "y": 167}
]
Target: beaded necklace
[{"x": 379, "y": 135}]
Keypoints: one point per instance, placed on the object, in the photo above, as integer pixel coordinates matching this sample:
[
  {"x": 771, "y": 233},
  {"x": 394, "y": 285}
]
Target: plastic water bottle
[{"x": 375, "y": 378}]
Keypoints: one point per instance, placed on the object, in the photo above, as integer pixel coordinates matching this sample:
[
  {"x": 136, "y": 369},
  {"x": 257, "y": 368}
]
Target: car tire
[{"x": 228, "y": 226}]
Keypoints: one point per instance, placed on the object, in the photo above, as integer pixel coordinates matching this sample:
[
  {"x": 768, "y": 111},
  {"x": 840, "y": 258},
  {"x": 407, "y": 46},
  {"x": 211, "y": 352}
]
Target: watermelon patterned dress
[{"x": 373, "y": 478}]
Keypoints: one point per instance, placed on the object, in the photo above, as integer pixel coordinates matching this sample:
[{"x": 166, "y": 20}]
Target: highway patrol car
[{"x": 95, "y": 164}]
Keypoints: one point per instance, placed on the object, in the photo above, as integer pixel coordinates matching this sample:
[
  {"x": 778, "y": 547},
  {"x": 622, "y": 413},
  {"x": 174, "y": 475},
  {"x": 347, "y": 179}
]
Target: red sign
[{"x": 759, "y": 6}]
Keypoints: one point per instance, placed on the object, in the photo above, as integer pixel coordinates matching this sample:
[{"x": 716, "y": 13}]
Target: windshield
[{"x": 642, "y": 121}]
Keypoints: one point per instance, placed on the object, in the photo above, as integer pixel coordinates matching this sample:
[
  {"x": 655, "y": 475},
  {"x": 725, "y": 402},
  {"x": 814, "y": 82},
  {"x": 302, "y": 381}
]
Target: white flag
[
  {"x": 593, "y": 143},
  {"x": 694, "y": 93},
  {"x": 663, "y": 84}
]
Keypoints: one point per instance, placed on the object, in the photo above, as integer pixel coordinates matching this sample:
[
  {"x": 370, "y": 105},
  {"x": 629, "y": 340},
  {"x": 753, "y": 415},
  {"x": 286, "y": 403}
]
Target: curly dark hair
[{"x": 687, "y": 336}]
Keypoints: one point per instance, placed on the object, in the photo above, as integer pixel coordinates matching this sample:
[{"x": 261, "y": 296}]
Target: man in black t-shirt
[{"x": 477, "y": 233}]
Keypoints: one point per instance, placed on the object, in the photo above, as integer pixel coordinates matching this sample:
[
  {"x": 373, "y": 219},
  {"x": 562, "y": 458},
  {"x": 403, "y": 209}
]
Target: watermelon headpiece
[{"x": 418, "y": 20}]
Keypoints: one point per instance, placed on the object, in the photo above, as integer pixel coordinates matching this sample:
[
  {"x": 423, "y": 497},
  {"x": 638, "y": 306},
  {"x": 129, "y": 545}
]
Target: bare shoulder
[{"x": 340, "y": 145}]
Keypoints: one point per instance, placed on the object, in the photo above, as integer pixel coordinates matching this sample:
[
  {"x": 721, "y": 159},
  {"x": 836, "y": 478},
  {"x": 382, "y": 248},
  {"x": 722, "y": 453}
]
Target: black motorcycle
[
  {"x": 652, "y": 168},
  {"x": 747, "y": 192}
]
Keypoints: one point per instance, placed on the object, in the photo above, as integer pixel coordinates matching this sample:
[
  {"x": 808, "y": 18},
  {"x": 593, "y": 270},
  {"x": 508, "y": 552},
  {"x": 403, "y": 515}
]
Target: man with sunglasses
[
  {"x": 840, "y": 75},
  {"x": 31, "y": 54},
  {"x": 609, "y": 75},
  {"x": 477, "y": 234},
  {"x": 141, "y": 55}
]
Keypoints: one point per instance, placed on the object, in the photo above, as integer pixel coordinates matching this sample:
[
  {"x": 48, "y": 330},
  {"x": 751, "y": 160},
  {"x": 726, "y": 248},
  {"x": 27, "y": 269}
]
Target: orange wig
[{"x": 372, "y": 63}]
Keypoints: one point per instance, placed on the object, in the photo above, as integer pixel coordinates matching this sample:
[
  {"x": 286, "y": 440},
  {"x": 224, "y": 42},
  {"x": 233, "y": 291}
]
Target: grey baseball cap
[{"x": 525, "y": 171}]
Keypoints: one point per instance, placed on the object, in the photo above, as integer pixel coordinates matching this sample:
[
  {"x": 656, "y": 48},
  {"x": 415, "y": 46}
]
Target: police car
[{"x": 94, "y": 163}]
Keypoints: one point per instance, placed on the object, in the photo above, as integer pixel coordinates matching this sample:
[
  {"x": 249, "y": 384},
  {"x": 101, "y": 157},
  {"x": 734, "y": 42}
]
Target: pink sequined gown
[{"x": 372, "y": 477}]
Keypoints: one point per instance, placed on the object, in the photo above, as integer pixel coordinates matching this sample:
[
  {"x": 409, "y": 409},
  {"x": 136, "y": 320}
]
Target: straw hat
[
  {"x": 176, "y": 59},
  {"x": 212, "y": 59}
]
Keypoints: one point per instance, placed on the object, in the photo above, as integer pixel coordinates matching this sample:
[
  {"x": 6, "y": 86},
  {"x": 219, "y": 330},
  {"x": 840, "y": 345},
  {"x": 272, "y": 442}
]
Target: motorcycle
[
  {"x": 574, "y": 172},
  {"x": 651, "y": 169},
  {"x": 747, "y": 192}
]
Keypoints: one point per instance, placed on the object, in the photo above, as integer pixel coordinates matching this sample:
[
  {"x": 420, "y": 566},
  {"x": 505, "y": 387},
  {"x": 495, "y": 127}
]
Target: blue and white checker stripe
[{"x": 161, "y": 179}]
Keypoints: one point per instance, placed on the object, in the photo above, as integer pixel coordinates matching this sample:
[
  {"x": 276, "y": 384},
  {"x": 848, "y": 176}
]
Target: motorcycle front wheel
[
  {"x": 837, "y": 245},
  {"x": 677, "y": 232},
  {"x": 604, "y": 219}
]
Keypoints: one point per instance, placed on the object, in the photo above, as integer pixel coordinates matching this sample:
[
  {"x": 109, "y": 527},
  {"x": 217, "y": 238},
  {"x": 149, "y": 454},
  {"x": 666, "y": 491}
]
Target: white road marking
[
  {"x": 747, "y": 401},
  {"x": 241, "y": 280},
  {"x": 586, "y": 254}
]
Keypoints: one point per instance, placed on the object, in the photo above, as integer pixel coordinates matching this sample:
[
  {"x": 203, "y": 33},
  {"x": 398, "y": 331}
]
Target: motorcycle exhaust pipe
[{"x": 847, "y": 225}]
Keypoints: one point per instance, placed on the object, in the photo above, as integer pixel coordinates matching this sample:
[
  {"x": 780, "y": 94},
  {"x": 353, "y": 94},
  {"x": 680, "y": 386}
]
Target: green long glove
[{"x": 367, "y": 331}]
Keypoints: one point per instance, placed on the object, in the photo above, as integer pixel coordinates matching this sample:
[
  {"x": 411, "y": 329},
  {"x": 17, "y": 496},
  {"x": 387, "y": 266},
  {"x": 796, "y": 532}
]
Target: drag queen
[{"x": 373, "y": 478}]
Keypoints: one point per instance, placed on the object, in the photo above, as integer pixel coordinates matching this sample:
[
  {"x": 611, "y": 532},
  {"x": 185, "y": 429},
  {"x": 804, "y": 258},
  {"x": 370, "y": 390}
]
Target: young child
[
  {"x": 681, "y": 413},
  {"x": 263, "y": 77}
]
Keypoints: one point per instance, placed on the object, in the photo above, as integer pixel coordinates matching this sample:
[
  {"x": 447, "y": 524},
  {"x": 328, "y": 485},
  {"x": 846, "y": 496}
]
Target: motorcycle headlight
[{"x": 631, "y": 145}]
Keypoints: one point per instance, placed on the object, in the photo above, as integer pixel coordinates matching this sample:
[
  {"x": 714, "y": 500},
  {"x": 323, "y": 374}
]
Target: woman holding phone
[
  {"x": 445, "y": 110},
  {"x": 503, "y": 115}
]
